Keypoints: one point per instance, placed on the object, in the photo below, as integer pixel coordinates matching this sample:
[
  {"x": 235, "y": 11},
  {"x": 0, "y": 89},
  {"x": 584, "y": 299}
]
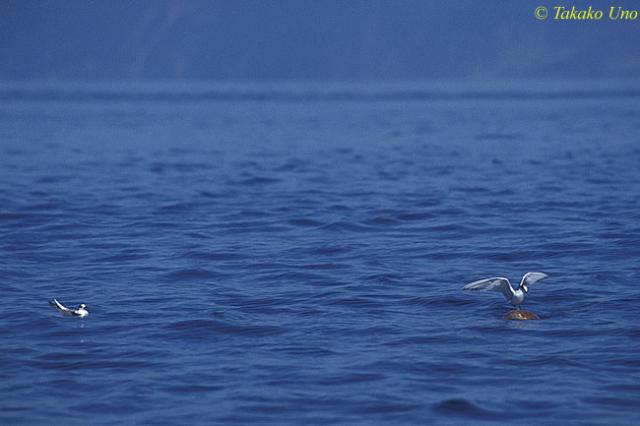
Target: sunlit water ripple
[{"x": 300, "y": 260}]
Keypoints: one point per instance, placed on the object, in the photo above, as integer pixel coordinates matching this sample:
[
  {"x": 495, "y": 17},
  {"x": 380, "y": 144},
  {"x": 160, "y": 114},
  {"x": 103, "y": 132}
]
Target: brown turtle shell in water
[{"x": 521, "y": 315}]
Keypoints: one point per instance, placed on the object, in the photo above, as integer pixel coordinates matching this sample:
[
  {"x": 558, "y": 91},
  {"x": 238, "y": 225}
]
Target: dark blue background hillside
[{"x": 308, "y": 39}]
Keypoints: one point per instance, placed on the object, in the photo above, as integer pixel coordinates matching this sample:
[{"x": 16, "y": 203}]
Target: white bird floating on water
[
  {"x": 515, "y": 297},
  {"x": 80, "y": 311}
]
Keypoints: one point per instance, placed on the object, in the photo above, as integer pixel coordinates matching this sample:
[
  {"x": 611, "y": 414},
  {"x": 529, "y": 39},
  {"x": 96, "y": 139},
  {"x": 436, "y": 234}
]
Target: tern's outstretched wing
[
  {"x": 532, "y": 277},
  {"x": 58, "y": 306},
  {"x": 498, "y": 283}
]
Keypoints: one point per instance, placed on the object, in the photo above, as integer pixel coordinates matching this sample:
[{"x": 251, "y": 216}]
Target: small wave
[
  {"x": 356, "y": 302},
  {"x": 416, "y": 216},
  {"x": 465, "y": 408},
  {"x": 94, "y": 93},
  {"x": 295, "y": 277},
  {"x": 447, "y": 302},
  {"x": 211, "y": 255},
  {"x": 499, "y": 136},
  {"x": 162, "y": 167},
  {"x": 14, "y": 216},
  {"x": 199, "y": 328},
  {"x": 305, "y": 222},
  {"x": 294, "y": 165},
  {"x": 382, "y": 221},
  {"x": 384, "y": 278},
  {"x": 311, "y": 351},
  {"x": 344, "y": 379},
  {"x": 330, "y": 250},
  {"x": 614, "y": 401},
  {"x": 81, "y": 361},
  {"x": 341, "y": 226},
  {"x": 192, "y": 274},
  {"x": 193, "y": 389},
  {"x": 324, "y": 266},
  {"x": 257, "y": 180}
]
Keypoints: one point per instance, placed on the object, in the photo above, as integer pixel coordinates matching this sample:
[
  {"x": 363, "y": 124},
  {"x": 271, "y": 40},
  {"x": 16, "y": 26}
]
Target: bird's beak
[{"x": 525, "y": 288}]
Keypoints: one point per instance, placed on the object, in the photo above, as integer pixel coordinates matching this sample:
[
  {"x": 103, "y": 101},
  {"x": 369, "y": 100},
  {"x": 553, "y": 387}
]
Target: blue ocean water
[{"x": 295, "y": 254}]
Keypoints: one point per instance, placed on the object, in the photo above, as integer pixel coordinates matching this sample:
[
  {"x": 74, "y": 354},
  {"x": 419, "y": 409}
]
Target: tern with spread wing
[
  {"x": 515, "y": 297},
  {"x": 80, "y": 311}
]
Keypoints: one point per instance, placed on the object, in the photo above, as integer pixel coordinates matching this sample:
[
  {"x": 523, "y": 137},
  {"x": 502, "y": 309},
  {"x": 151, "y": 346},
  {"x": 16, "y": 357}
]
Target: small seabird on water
[
  {"x": 515, "y": 297},
  {"x": 80, "y": 311}
]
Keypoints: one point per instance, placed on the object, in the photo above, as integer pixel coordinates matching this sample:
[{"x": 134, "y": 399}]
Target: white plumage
[
  {"x": 511, "y": 295},
  {"x": 80, "y": 311}
]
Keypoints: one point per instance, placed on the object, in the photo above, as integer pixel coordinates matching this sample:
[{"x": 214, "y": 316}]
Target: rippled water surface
[{"x": 298, "y": 259}]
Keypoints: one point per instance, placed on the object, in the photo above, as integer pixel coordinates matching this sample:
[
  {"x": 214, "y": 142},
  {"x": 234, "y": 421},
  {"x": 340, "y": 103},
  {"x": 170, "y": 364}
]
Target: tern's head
[
  {"x": 82, "y": 306},
  {"x": 524, "y": 288}
]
